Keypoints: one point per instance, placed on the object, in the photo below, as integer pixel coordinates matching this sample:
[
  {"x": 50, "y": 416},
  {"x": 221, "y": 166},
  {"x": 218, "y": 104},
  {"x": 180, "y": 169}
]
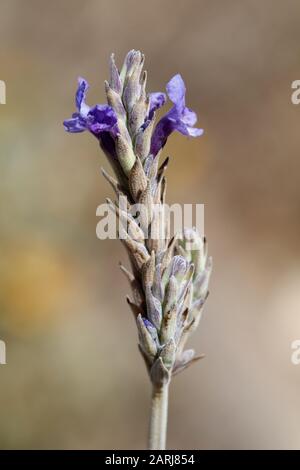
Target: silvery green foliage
[{"x": 169, "y": 277}]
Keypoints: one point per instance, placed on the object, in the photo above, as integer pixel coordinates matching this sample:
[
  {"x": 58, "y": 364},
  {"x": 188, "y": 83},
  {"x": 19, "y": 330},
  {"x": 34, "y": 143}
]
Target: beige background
[{"x": 74, "y": 378}]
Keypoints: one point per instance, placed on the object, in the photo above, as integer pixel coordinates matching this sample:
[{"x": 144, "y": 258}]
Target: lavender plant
[{"x": 169, "y": 276}]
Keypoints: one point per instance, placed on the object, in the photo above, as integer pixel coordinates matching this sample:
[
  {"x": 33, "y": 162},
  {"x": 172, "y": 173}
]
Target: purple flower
[
  {"x": 179, "y": 118},
  {"x": 157, "y": 100},
  {"x": 98, "y": 120}
]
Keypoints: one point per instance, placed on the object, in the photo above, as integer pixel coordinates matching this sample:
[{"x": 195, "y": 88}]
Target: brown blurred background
[{"x": 74, "y": 378}]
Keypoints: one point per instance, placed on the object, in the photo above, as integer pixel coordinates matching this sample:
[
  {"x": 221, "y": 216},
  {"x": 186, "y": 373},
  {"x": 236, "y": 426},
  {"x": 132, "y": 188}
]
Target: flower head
[
  {"x": 98, "y": 120},
  {"x": 169, "y": 277},
  {"x": 180, "y": 118}
]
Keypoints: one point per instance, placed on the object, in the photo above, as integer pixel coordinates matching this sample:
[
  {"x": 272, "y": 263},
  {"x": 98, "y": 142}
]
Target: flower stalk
[
  {"x": 168, "y": 275},
  {"x": 159, "y": 417}
]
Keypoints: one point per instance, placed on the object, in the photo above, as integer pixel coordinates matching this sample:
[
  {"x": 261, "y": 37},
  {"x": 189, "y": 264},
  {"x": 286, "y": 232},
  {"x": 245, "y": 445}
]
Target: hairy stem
[{"x": 159, "y": 417}]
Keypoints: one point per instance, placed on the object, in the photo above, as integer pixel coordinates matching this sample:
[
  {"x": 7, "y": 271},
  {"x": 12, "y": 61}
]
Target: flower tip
[
  {"x": 82, "y": 81},
  {"x": 198, "y": 132},
  {"x": 176, "y": 90},
  {"x": 177, "y": 77},
  {"x": 66, "y": 125},
  {"x": 176, "y": 80}
]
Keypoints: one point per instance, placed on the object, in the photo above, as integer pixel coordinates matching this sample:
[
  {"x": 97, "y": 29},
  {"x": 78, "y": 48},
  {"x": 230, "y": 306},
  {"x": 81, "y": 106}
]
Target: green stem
[{"x": 159, "y": 417}]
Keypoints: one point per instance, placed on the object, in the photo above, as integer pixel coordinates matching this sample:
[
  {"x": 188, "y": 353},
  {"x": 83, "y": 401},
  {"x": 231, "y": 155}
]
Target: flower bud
[
  {"x": 125, "y": 154},
  {"x": 115, "y": 81},
  {"x": 147, "y": 342},
  {"x": 168, "y": 354},
  {"x": 114, "y": 100}
]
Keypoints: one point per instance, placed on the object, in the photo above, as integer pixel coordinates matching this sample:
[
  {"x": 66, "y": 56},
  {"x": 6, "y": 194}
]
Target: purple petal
[
  {"x": 176, "y": 91},
  {"x": 184, "y": 129},
  {"x": 189, "y": 117},
  {"x": 82, "y": 89},
  {"x": 194, "y": 132},
  {"x": 75, "y": 124},
  {"x": 101, "y": 118},
  {"x": 157, "y": 100}
]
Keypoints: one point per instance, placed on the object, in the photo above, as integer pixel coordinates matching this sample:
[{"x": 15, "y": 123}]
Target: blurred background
[{"x": 74, "y": 378}]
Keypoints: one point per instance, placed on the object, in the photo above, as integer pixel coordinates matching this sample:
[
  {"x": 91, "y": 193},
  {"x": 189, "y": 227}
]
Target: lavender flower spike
[
  {"x": 97, "y": 120},
  {"x": 169, "y": 275},
  {"x": 179, "y": 118}
]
